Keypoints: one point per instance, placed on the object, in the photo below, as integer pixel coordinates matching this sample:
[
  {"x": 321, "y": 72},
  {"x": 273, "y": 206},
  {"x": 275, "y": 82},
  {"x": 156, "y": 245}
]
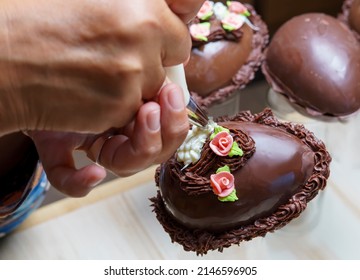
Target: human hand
[
  {"x": 157, "y": 131},
  {"x": 84, "y": 65},
  {"x": 185, "y": 9}
]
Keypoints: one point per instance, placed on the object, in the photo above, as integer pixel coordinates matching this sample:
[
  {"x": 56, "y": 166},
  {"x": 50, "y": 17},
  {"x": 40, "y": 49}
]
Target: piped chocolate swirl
[
  {"x": 195, "y": 179},
  {"x": 287, "y": 169}
]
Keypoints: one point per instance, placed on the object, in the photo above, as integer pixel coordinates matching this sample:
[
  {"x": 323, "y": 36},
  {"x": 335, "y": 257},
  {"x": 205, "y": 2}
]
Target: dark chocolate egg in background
[
  {"x": 354, "y": 16},
  {"x": 350, "y": 15},
  {"x": 314, "y": 60}
]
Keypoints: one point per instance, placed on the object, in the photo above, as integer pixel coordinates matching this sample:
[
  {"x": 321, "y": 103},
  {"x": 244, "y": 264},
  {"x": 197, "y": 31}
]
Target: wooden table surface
[{"x": 116, "y": 222}]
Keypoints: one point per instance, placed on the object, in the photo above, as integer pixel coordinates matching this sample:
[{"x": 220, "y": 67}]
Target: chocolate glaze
[
  {"x": 286, "y": 171},
  {"x": 313, "y": 59},
  {"x": 218, "y": 68},
  {"x": 213, "y": 65},
  {"x": 285, "y": 164}
]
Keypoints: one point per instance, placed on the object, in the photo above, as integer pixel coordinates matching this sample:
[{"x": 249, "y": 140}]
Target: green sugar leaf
[
  {"x": 230, "y": 198},
  {"x": 228, "y": 27},
  {"x": 201, "y": 38},
  {"x": 223, "y": 169},
  {"x": 207, "y": 15},
  {"x": 235, "y": 150},
  {"x": 217, "y": 130}
]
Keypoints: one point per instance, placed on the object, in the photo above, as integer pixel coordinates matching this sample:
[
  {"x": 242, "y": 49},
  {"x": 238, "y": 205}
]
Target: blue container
[{"x": 31, "y": 198}]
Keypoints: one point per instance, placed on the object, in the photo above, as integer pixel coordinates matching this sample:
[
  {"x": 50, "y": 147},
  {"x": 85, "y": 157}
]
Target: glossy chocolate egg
[
  {"x": 285, "y": 164},
  {"x": 213, "y": 65},
  {"x": 314, "y": 60},
  {"x": 225, "y": 59}
]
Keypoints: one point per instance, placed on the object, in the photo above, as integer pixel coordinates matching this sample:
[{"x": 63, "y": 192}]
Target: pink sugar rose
[
  {"x": 222, "y": 143},
  {"x": 222, "y": 183},
  {"x": 200, "y": 31},
  {"x": 233, "y": 20},
  {"x": 237, "y": 7},
  {"x": 205, "y": 10}
]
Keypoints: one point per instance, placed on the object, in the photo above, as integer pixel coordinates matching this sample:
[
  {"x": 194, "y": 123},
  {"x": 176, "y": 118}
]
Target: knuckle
[{"x": 151, "y": 151}]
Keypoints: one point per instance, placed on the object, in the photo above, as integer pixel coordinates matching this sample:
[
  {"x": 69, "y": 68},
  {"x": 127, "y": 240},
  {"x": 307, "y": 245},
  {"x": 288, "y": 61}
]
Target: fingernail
[
  {"x": 176, "y": 100},
  {"x": 94, "y": 184},
  {"x": 153, "y": 120}
]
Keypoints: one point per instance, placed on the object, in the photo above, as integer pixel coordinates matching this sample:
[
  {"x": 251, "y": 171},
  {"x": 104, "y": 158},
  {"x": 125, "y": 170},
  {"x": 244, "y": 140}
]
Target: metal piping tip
[{"x": 196, "y": 115}]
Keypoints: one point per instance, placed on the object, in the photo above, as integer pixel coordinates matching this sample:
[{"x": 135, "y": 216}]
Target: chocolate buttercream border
[
  {"x": 201, "y": 241},
  {"x": 247, "y": 72},
  {"x": 344, "y": 16}
]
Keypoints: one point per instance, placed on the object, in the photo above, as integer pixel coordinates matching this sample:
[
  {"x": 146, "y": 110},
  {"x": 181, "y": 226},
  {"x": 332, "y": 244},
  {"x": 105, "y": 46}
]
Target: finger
[
  {"x": 56, "y": 154},
  {"x": 127, "y": 155},
  {"x": 185, "y": 9},
  {"x": 174, "y": 120},
  {"x": 176, "y": 40}
]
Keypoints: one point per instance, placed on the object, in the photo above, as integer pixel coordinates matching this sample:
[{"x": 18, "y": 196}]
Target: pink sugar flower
[
  {"x": 222, "y": 183},
  {"x": 222, "y": 143},
  {"x": 200, "y": 31},
  {"x": 236, "y": 7},
  {"x": 205, "y": 11},
  {"x": 232, "y": 21}
]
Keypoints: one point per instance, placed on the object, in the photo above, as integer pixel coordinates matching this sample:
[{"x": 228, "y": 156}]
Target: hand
[
  {"x": 185, "y": 9},
  {"x": 74, "y": 65},
  {"x": 157, "y": 131}
]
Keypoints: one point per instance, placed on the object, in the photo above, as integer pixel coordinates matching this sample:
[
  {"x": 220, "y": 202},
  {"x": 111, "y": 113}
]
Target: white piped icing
[
  {"x": 220, "y": 10},
  {"x": 190, "y": 150}
]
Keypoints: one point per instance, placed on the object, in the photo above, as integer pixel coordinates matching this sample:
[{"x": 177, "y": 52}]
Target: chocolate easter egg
[
  {"x": 350, "y": 15},
  {"x": 283, "y": 167},
  {"x": 314, "y": 60},
  {"x": 228, "y": 46},
  {"x": 285, "y": 164},
  {"x": 213, "y": 65}
]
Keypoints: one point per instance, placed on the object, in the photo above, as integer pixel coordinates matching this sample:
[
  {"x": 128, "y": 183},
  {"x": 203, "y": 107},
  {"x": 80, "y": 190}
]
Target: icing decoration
[
  {"x": 230, "y": 198},
  {"x": 206, "y": 10},
  {"x": 190, "y": 150},
  {"x": 232, "y": 17},
  {"x": 235, "y": 150},
  {"x": 237, "y": 8},
  {"x": 222, "y": 143},
  {"x": 200, "y": 31},
  {"x": 218, "y": 129},
  {"x": 223, "y": 185},
  {"x": 232, "y": 22},
  {"x": 218, "y": 143},
  {"x": 220, "y": 10}
]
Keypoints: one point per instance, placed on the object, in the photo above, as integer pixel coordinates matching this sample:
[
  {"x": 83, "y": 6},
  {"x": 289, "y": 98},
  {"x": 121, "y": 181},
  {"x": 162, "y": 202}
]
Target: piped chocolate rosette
[
  {"x": 350, "y": 15},
  {"x": 239, "y": 178},
  {"x": 228, "y": 43}
]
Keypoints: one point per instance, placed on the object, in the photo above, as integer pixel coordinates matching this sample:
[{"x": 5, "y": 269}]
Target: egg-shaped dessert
[
  {"x": 238, "y": 178},
  {"x": 313, "y": 59},
  {"x": 227, "y": 49}
]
